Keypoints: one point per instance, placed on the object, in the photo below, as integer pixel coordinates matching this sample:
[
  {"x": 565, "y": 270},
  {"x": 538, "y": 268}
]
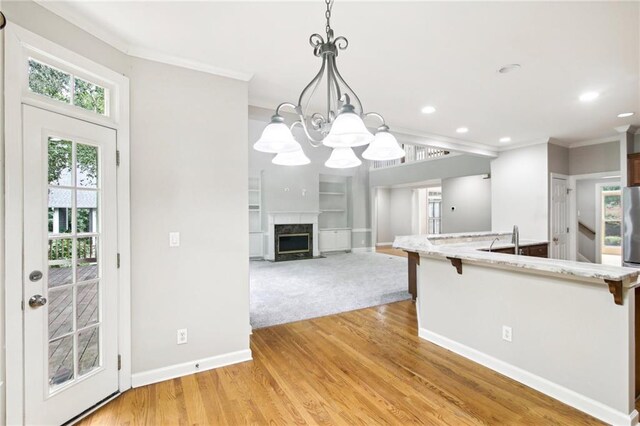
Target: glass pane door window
[
  {"x": 611, "y": 220},
  {"x": 434, "y": 210},
  {"x": 70, "y": 281},
  {"x": 73, "y": 254}
]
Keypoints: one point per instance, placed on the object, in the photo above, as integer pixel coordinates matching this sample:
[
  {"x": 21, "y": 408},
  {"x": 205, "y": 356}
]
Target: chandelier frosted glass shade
[
  {"x": 294, "y": 158},
  {"x": 384, "y": 147},
  {"x": 276, "y": 138},
  {"x": 342, "y": 158},
  {"x": 347, "y": 130}
]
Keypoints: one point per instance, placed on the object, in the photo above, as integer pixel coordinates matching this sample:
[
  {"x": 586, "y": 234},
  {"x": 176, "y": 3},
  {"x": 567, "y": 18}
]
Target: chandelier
[{"x": 341, "y": 127}]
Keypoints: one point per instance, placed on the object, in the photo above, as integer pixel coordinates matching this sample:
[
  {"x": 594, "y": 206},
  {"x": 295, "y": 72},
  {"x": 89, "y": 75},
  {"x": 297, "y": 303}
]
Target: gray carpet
[{"x": 301, "y": 289}]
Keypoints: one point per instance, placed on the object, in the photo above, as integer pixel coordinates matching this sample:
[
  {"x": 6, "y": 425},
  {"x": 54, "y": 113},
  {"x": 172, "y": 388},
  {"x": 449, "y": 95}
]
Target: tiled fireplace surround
[{"x": 291, "y": 218}]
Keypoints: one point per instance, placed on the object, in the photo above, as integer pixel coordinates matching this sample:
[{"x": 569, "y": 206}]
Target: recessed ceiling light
[
  {"x": 508, "y": 68},
  {"x": 589, "y": 96},
  {"x": 462, "y": 130},
  {"x": 428, "y": 110},
  {"x": 625, "y": 114},
  {"x": 506, "y": 139}
]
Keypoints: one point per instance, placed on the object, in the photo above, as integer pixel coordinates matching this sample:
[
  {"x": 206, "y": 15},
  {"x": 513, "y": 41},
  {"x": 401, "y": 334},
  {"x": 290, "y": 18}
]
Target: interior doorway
[
  {"x": 609, "y": 223},
  {"x": 597, "y": 219}
]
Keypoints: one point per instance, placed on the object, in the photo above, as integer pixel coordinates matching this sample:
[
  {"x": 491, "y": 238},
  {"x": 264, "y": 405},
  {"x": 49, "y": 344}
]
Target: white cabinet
[{"x": 334, "y": 240}]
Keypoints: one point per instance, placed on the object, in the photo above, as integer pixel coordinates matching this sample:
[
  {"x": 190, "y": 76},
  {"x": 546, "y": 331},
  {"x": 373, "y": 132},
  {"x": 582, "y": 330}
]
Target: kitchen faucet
[
  {"x": 493, "y": 242},
  {"x": 515, "y": 239}
]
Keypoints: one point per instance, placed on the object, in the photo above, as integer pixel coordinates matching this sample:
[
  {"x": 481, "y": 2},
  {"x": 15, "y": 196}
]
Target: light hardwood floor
[{"x": 361, "y": 367}]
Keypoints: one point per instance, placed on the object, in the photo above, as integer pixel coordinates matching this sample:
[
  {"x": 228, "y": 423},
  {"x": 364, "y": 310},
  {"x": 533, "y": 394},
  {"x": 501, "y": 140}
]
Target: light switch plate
[{"x": 174, "y": 239}]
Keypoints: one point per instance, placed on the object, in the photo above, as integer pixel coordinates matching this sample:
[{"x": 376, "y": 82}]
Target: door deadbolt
[
  {"x": 35, "y": 276},
  {"x": 37, "y": 301}
]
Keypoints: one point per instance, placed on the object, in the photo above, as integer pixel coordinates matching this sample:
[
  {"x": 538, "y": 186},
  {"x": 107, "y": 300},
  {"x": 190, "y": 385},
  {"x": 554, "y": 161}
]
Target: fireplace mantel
[{"x": 290, "y": 218}]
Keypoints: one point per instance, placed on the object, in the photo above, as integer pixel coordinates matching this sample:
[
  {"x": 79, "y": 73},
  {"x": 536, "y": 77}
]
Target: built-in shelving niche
[
  {"x": 256, "y": 243},
  {"x": 334, "y": 193}
]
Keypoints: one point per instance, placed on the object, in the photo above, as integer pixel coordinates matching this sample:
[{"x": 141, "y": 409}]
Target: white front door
[
  {"x": 70, "y": 268},
  {"x": 559, "y": 219}
]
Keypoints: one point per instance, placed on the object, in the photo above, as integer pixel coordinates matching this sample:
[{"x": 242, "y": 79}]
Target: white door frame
[
  {"x": 18, "y": 44},
  {"x": 573, "y": 207}
]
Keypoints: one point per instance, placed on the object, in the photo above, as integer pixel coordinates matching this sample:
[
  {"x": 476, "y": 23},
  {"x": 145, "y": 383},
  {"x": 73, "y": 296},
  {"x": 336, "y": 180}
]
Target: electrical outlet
[
  {"x": 506, "y": 333},
  {"x": 182, "y": 336},
  {"x": 174, "y": 239}
]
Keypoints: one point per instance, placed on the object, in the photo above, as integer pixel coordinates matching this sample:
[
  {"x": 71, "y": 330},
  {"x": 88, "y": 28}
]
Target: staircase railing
[{"x": 413, "y": 153}]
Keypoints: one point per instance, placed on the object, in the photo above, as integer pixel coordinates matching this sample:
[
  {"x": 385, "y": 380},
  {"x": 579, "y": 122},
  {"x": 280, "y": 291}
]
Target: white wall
[
  {"x": 466, "y": 204},
  {"x": 565, "y": 333},
  {"x": 189, "y": 173},
  {"x": 519, "y": 192}
]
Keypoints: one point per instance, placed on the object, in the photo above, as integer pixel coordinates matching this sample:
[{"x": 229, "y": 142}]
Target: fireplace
[{"x": 293, "y": 241}]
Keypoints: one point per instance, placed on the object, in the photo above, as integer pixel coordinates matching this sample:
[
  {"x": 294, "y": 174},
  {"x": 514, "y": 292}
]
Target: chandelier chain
[{"x": 327, "y": 14}]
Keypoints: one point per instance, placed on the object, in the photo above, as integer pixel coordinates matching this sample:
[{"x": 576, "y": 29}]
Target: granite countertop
[{"x": 470, "y": 246}]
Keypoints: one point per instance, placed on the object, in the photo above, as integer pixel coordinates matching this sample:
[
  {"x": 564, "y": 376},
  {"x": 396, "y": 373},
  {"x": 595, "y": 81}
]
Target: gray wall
[
  {"x": 603, "y": 157},
  {"x": 295, "y": 188},
  {"x": 558, "y": 159},
  {"x": 455, "y": 166},
  {"x": 383, "y": 230},
  {"x": 400, "y": 211},
  {"x": 188, "y": 174},
  {"x": 471, "y": 197}
]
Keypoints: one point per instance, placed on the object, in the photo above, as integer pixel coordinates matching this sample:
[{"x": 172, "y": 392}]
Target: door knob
[
  {"x": 37, "y": 301},
  {"x": 555, "y": 239}
]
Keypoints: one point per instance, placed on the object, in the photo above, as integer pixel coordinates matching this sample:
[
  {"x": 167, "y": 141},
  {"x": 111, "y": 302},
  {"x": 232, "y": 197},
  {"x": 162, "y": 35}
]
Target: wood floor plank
[{"x": 363, "y": 367}]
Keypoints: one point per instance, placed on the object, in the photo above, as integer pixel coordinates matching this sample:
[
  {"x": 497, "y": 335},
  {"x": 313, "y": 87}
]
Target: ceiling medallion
[{"x": 341, "y": 127}]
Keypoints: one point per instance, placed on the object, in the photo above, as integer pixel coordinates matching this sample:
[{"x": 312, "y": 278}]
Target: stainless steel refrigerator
[{"x": 631, "y": 226}]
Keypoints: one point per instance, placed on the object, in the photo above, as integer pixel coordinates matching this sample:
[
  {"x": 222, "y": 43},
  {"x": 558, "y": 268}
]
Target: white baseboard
[
  {"x": 186, "y": 368},
  {"x": 384, "y": 244},
  {"x": 576, "y": 400},
  {"x": 362, "y": 249}
]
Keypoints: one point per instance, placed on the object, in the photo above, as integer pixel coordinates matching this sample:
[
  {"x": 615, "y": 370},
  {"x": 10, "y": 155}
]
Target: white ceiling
[{"x": 405, "y": 55}]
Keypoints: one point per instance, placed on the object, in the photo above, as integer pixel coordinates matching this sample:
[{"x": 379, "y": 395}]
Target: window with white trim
[{"x": 49, "y": 81}]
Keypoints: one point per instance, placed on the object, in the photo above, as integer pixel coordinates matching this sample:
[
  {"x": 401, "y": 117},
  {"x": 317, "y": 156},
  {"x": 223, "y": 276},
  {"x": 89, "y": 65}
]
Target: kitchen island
[{"x": 565, "y": 328}]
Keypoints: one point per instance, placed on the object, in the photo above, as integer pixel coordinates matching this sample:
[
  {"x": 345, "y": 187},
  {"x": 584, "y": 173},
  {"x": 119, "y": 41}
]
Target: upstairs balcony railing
[{"x": 413, "y": 153}]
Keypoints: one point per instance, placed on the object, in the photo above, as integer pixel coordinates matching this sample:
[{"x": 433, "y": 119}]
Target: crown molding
[
  {"x": 143, "y": 53},
  {"x": 533, "y": 142},
  {"x": 629, "y": 128},
  {"x": 598, "y": 141},
  {"x": 68, "y": 13},
  {"x": 444, "y": 142}
]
